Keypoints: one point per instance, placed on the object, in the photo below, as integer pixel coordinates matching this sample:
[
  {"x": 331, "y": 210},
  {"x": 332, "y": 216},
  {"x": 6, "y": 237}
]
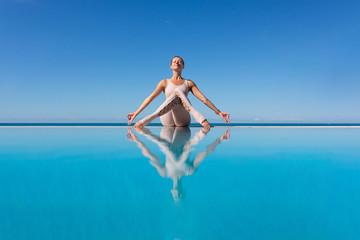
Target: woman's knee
[
  {"x": 182, "y": 124},
  {"x": 167, "y": 120},
  {"x": 169, "y": 124}
]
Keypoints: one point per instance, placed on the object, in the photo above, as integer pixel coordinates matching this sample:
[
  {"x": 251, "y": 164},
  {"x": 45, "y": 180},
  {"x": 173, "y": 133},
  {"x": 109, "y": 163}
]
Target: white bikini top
[{"x": 169, "y": 89}]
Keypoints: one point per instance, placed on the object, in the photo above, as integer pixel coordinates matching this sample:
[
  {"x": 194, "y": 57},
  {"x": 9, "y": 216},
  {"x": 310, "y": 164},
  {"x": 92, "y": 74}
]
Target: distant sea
[{"x": 191, "y": 125}]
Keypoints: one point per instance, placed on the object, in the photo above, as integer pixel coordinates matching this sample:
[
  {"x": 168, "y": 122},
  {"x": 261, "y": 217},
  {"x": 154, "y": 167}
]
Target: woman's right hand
[
  {"x": 131, "y": 117},
  {"x": 226, "y": 135}
]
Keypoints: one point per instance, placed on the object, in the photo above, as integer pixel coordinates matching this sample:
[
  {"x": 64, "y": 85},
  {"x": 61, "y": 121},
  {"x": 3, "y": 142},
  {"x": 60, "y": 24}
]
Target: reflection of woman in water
[
  {"x": 176, "y": 144},
  {"x": 176, "y": 108}
]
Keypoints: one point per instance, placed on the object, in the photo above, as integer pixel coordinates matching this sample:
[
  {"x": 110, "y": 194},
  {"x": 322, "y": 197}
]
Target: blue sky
[{"x": 261, "y": 61}]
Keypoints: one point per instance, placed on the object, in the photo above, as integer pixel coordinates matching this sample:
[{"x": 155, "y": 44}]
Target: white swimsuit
[
  {"x": 170, "y": 87},
  {"x": 176, "y": 108}
]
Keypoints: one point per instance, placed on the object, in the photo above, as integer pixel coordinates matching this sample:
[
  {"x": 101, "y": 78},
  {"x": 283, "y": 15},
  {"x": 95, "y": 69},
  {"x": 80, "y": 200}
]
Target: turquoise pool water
[{"x": 231, "y": 183}]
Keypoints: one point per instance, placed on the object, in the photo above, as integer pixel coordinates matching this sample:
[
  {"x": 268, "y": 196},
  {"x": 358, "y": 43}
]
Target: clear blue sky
[{"x": 261, "y": 61}]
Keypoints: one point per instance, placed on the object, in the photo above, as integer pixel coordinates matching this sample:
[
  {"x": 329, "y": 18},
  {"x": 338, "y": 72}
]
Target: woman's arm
[
  {"x": 194, "y": 89},
  {"x": 160, "y": 87}
]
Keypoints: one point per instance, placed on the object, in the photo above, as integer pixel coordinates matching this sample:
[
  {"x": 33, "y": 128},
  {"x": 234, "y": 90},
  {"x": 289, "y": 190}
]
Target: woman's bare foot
[
  {"x": 206, "y": 124},
  {"x": 138, "y": 126}
]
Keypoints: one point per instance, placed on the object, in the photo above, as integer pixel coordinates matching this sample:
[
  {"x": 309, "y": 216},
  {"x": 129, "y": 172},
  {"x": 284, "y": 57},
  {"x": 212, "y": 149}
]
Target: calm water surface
[{"x": 161, "y": 183}]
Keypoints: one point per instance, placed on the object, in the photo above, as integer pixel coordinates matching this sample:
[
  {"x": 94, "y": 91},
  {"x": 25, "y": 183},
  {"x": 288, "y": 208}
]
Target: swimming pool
[{"x": 229, "y": 183}]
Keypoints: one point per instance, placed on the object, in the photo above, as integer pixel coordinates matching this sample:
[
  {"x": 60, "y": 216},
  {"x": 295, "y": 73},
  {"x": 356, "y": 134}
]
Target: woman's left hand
[{"x": 225, "y": 116}]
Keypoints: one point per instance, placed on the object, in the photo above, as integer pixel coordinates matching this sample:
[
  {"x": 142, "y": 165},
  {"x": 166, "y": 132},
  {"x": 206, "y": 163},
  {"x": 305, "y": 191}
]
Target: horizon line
[{"x": 191, "y": 125}]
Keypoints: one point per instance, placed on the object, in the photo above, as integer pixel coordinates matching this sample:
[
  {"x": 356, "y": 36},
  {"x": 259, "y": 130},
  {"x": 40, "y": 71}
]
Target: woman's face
[{"x": 177, "y": 63}]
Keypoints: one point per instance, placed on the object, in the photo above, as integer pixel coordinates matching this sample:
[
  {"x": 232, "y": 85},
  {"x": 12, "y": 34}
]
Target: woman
[{"x": 176, "y": 108}]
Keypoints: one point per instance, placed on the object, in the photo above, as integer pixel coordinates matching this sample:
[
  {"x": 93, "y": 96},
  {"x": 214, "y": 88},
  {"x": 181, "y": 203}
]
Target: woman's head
[
  {"x": 177, "y": 62},
  {"x": 178, "y": 194}
]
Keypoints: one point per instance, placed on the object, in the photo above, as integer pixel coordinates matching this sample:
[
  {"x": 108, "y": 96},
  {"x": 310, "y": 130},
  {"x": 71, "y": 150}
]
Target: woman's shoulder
[
  {"x": 190, "y": 82},
  {"x": 162, "y": 83}
]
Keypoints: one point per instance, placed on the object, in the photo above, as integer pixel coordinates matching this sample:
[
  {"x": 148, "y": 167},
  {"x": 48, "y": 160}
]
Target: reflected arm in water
[
  {"x": 154, "y": 159},
  {"x": 201, "y": 156}
]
